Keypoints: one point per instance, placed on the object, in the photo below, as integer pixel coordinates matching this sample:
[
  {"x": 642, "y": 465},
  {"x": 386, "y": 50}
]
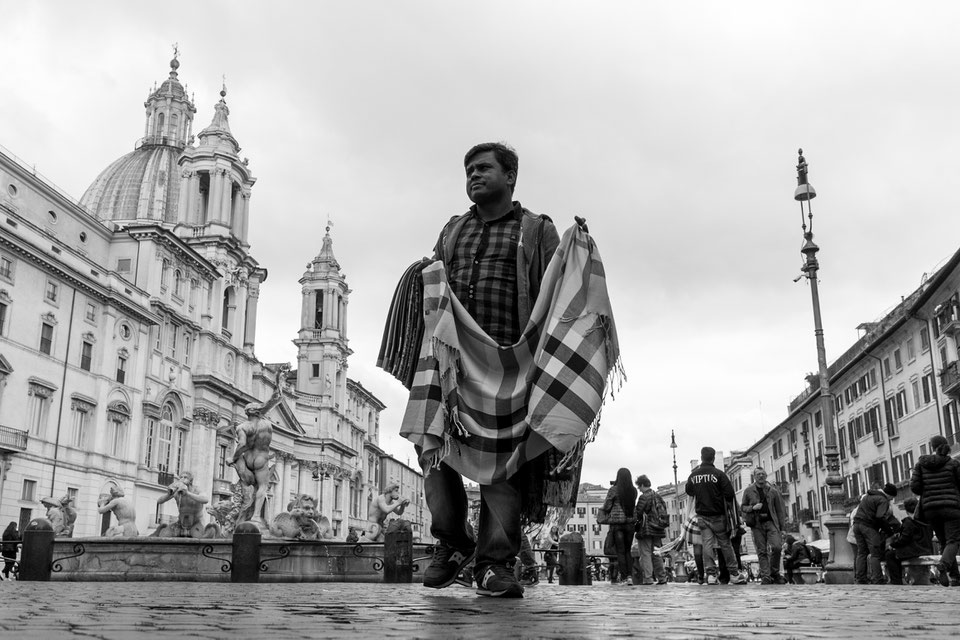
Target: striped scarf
[{"x": 486, "y": 410}]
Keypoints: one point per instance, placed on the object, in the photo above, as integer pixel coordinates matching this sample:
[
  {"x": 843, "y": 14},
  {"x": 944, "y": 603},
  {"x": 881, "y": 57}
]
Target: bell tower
[{"x": 322, "y": 345}]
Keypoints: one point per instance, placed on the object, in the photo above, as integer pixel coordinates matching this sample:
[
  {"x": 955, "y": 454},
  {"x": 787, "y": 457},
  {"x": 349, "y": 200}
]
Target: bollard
[
  {"x": 398, "y": 554},
  {"x": 636, "y": 572},
  {"x": 36, "y": 556},
  {"x": 573, "y": 560},
  {"x": 245, "y": 564}
]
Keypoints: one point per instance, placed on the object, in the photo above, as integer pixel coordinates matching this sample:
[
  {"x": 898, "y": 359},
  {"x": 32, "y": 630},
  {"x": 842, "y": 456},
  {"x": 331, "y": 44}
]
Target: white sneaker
[
  {"x": 712, "y": 580},
  {"x": 740, "y": 579}
]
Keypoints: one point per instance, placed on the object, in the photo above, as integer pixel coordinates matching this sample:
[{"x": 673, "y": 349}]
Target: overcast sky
[{"x": 673, "y": 127}]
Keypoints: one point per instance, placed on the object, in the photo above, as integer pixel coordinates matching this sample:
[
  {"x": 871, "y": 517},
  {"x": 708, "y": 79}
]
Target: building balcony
[
  {"x": 950, "y": 380},
  {"x": 13, "y": 440},
  {"x": 949, "y": 324},
  {"x": 806, "y": 515},
  {"x": 165, "y": 479}
]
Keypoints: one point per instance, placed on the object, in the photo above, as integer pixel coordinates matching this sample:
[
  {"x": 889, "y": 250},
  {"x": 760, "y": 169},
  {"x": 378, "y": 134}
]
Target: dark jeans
[
  {"x": 498, "y": 535},
  {"x": 870, "y": 545},
  {"x": 946, "y": 525},
  {"x": 622, "y": 540}
]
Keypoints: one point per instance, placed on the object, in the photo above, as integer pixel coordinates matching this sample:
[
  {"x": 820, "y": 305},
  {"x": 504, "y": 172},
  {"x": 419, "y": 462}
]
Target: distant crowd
[{"x": 715, "y": 525}]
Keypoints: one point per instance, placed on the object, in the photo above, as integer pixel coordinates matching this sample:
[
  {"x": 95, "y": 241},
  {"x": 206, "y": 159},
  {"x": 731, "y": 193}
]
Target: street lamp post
[
  {"x": 673, "y": 445},
  {"x": 839, "y": 569}
]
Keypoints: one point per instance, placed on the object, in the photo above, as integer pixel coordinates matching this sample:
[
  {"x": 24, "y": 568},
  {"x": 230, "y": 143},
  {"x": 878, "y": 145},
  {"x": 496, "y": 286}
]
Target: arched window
[
  {"x": 118, "y": 418},
  {"x": 174, "y": 121},
  {"x": 229, "y": 309},
  {"x": 178, "y": 283},
  {"x": 160, "y": 123}
]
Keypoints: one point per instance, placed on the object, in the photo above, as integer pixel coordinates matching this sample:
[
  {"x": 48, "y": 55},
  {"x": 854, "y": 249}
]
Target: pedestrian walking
[
  {"x": 936, "y": 479},
  {"x": 713, "y": 499},
  {"x": 872, "y": 524},
  {"x": 618, "y": 508},
  {"x": 912, "y": 540},
  {"x": 763, "y": 512},
  {"x": 652, "y": 520},
  {"x": 11, "y": 540}
]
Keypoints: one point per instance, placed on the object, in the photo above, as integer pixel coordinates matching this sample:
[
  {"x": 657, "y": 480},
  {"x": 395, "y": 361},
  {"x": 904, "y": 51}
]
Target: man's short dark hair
[
  {"x": 643, "y": 481},
  {"x": 505, "y": 155},
  {"x": 708, "y": 454}
]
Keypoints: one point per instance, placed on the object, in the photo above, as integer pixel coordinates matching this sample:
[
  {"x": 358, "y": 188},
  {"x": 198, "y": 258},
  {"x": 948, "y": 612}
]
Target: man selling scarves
[{"x": 517, "y": 344}]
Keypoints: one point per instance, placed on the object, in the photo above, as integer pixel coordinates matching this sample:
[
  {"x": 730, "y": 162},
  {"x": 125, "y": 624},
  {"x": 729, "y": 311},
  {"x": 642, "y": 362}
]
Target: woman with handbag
[
  {"x": 618, "y": 510},
  {"x": 936, "y": 479}
]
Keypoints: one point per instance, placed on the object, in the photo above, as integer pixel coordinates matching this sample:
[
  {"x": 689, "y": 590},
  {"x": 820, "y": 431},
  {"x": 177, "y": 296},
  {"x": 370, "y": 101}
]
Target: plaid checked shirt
[{"x": 483, "y": 273}]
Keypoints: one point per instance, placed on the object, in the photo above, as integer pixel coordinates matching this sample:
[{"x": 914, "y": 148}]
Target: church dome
[{"x": 144, "y": 184}]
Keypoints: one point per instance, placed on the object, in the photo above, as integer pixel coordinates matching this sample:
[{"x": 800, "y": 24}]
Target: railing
[
  {"x": 164, "y": 479},
  {"x": 13, "y": 439},
  {"x": 806, "y": 515},
  {"x": 950, "y": 379}
]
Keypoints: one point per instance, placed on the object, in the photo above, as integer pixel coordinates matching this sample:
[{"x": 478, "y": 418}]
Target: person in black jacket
[
  {"x": 872, "y": 525},
  {"x": 795, "y": 555},
  {"x": 936, "y": 479},
  {"x": 914, "y": 539},
  {"x": 11, "y": 539},
  {"x": 713, "y": 496}
]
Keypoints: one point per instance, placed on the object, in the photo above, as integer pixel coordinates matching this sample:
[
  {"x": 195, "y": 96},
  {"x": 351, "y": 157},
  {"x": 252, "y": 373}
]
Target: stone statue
[
  {"x": 225, "y": 513},
  {"x": 190, "y": 503},
  {"x": 61, "y": 514},
  {"x": 121, "y": 507},
  {"x": 386, "y": 503},
  {"x": 252, "y": 456},
  {"x": 301, "y": 521}
]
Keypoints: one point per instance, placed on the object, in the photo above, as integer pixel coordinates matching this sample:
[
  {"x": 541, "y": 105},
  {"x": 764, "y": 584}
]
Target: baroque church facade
[{"x": 128, "y": 328}]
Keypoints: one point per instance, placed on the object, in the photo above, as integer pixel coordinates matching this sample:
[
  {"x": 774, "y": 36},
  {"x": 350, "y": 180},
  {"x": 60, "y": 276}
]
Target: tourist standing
[
  {"x": 872, "y": 524},
  {"x": 936, "y": 479},
  {"x": 550, "y": 557},
  {"x": 619, "y": 507},
  {"x": 763, "y": 512},
  {"x": 713, "y": 495},
  {"x": 649, "y": 532}
]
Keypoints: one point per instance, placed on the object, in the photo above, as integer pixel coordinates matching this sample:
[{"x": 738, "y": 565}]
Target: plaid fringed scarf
[
  {"x": 486, "y": 410},
  {"x": 689, "y": 532}
]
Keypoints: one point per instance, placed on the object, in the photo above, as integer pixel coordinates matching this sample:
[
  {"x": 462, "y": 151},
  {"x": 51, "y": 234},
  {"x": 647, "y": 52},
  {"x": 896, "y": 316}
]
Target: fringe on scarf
[
  {"x": 616, "y": 376},
  {"x": 448, "y": 366}
]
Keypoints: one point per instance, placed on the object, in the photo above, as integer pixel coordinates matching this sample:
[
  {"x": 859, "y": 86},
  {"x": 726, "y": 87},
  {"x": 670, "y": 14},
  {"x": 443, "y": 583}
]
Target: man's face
[
  {"x": 760, "y": 477},
  {"x": 486, "y": 179}
]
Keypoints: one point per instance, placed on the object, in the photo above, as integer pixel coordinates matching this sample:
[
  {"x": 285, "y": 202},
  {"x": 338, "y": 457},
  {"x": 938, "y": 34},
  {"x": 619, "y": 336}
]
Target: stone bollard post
[
  {"x": 245, "y": 563},
  {"x": 398, "y": 554},
  {"x": 36, "y": 556},
  {"x": 573, "y": 560},
  {"x": 636, "y": 572}
]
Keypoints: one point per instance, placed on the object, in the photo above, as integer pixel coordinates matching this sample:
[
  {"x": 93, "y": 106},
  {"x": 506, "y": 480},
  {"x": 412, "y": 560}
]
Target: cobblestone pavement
[{"x": 32, "y": 610}]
